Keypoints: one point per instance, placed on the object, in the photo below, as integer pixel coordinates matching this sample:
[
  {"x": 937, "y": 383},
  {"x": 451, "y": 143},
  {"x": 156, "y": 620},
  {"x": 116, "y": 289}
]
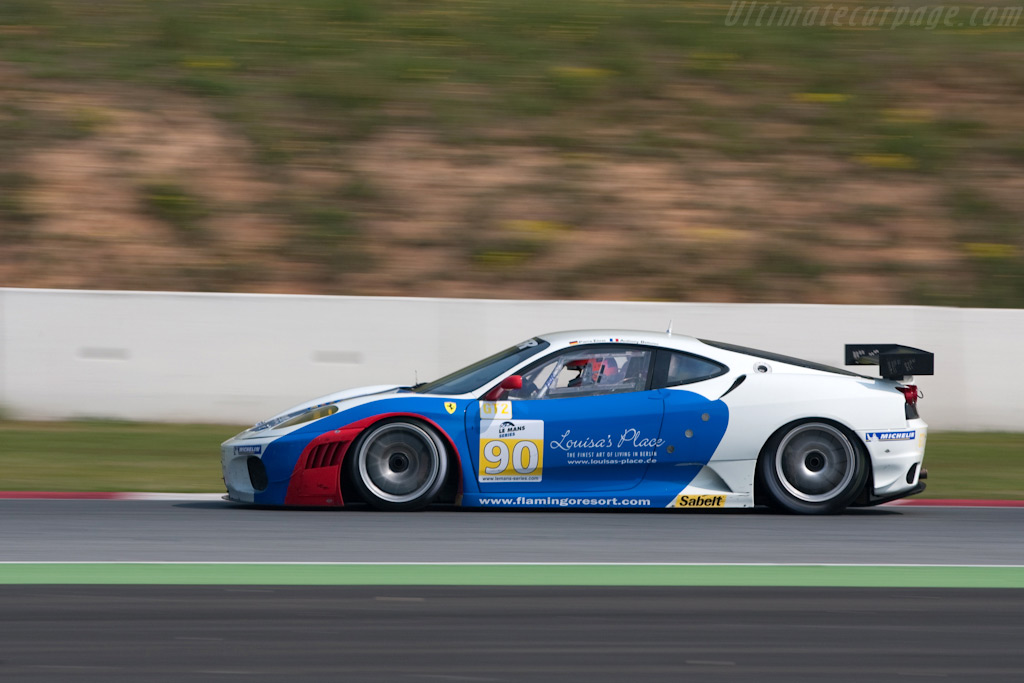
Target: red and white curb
[
  {"x": 958, "y": 503},
  {"x": 105, "y": 495},
  {"x": 126, "y": 495}
]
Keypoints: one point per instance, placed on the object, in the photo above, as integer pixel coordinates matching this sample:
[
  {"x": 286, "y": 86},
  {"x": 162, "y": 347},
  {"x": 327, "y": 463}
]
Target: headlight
[{"x": 308, "y": 416}]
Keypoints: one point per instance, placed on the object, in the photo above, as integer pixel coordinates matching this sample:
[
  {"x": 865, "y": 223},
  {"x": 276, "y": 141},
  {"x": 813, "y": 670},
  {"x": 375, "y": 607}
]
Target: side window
[
  {"x": 588, "y": 371},
  {"x": 682, "y": 368}
]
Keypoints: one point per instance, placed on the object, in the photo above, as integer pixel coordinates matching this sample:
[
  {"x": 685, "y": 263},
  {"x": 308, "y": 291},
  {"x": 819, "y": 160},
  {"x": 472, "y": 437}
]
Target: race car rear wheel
[
  {"x": 813, "y": 468},
  {"x": 399, "y": 465}
]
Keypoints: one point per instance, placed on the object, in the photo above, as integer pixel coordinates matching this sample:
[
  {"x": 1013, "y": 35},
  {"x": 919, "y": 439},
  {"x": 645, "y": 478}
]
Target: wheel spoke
[
  {"x": 815, "y": 462},
  {"x": 399, "y": 463}
]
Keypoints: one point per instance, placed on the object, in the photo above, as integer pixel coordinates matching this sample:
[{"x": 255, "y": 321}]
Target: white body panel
[{"x": 774, "y": 394}]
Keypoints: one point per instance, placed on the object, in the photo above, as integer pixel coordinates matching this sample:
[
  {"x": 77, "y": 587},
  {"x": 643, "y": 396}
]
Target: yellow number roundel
[{"x": 511, "y": 451}]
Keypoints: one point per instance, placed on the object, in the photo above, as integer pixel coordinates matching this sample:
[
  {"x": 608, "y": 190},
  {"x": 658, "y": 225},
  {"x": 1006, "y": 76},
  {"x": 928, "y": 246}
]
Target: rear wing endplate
[{"x": 894, "y": 361}]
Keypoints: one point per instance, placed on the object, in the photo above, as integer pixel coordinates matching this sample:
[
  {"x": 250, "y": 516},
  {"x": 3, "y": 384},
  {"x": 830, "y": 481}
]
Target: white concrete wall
[{"x": 237, "y": 358}]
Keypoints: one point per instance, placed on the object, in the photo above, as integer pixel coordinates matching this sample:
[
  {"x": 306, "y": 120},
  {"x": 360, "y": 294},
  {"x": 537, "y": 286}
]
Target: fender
[{"x": 316, "y": 478}]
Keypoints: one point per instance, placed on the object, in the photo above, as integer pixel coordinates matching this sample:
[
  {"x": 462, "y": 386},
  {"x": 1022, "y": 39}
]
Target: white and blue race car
[{"x": 603, "y": 418}]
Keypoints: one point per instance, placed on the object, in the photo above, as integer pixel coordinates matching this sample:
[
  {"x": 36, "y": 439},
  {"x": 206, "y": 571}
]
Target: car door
[
  {"x": 585, "y": 420},
  {"x": 693, "y": 424}
]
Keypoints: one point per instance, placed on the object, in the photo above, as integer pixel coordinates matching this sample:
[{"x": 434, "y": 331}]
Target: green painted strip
[{"x": 512, "y": 575}]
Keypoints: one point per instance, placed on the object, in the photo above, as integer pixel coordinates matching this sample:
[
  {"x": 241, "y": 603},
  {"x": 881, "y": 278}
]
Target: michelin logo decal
[
  {"x": 890, "y": 436},
  {"x": 251, "y": 450}
]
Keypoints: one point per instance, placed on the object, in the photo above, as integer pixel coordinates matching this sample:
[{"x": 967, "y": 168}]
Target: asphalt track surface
[
  {"x": 500, "y": 632},
  {"x": 216, "y": 531},
  {"x": 366, "y": 633}
]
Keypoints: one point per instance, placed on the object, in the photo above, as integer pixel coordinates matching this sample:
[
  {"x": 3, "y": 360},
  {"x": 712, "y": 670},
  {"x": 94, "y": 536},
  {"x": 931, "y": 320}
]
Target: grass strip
[
  {"x": 111, "y": 456},
  {"x": 513, "y": 575},
  {"x": 975, "y": 465}
]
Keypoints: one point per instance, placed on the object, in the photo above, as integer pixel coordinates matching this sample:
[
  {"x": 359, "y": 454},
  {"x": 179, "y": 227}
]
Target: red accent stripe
[
  {"x": 959, "y": 502},
  {"x": 62, "y": 495}
]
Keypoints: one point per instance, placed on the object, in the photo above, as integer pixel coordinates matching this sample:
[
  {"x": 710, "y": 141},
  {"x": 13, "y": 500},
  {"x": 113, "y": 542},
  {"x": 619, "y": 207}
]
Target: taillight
[{"x": 910, "y": 393}]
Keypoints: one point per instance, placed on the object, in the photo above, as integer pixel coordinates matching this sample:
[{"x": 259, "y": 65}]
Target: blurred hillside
[{"x": 597, "y": 149}]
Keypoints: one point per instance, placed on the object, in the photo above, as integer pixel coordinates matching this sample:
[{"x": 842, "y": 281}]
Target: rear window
[
  {"x": 779, "y": 358},
  {"x": 684, "y": 368}
]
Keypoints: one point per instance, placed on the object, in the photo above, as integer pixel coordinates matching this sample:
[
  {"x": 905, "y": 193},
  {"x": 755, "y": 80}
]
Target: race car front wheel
[
  {"x": 399, "y": 465},
  {"x": 813, "y": 468}
]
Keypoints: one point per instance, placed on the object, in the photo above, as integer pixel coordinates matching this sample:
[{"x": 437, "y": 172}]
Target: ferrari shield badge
[{"x": 450, "y": 407}]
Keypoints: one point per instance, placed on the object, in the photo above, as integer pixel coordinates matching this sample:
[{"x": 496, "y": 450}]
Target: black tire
[
  {"x": 398, "y": 465},
  {"x": 813, "y": 468}
]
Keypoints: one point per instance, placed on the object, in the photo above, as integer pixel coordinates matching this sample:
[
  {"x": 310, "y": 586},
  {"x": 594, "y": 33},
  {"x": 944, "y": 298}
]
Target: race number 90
[{"x": 511, "y": 460}]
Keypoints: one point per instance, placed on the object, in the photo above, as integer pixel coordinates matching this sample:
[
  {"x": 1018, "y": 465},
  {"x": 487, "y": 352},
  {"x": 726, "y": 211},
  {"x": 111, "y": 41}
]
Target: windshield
[{"x": 480, "y": 373}]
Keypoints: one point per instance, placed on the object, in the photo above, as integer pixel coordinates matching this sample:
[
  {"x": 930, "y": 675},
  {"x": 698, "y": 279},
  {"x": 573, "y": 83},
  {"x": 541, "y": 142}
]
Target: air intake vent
[
  {"x": 257, "y": 473},
  {"x": 324, "y": 455}
]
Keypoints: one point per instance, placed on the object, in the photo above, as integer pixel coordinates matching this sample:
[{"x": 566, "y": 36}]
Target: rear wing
[{"x": 894, "y": 361}]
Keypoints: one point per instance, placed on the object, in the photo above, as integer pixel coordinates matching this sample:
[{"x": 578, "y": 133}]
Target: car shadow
[{"x": 362, "y": 508}]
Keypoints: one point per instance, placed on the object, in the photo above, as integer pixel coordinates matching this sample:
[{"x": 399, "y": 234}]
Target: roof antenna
[{"x": 669, "y": 330}]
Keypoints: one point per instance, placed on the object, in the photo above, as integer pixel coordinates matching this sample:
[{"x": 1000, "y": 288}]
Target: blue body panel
[
  {"x": 570, "y": 452},
  {"x": 693, "y": 426},
  {"x": 280, "y": 456},
  {"x": 594, "y": 443}
]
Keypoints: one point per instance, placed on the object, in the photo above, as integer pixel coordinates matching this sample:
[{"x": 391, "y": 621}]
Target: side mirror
[{"x": 508, "y": 384}]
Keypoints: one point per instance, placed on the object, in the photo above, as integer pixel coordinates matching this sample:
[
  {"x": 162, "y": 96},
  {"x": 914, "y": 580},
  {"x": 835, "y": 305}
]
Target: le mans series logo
[
  {"x": 507, "y": 430},
  {"x": 908, "y": 435}
]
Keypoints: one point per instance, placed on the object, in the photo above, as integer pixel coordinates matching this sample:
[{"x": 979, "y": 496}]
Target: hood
[{"x": 336, "y": 397}]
